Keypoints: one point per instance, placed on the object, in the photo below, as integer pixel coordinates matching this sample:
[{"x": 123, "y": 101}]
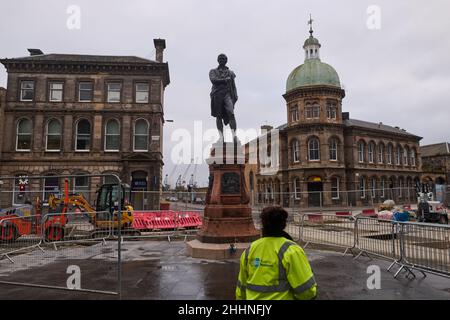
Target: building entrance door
[{"x": 315, "y": 194}]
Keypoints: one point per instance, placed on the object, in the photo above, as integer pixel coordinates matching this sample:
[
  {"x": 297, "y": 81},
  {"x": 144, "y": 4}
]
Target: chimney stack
[
  {"x": 35, "y": 52},
  {"x": 266, "y": 128},
  {"x": 160, "y": 45},
  {"x": 345, "y": 115}
]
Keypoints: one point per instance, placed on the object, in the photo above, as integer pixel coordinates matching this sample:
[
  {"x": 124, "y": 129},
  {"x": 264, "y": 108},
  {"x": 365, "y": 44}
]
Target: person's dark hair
[{"x": 273, "y": 221}]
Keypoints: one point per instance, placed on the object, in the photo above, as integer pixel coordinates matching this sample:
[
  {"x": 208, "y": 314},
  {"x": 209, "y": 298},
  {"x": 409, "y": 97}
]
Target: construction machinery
[
  {"x": 429, "y": 210},
  {"x": 103, "y": 218}
]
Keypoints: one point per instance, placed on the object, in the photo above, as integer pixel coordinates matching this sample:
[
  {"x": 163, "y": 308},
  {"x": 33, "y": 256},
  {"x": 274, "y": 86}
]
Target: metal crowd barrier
[
  {"x": 409, "y": 245},
  {"x": 19, "y": 235},
  {"x": 329, "y": 230},
  {"x": 426, "y": 248},
  {"x": 378, "y": 237}
]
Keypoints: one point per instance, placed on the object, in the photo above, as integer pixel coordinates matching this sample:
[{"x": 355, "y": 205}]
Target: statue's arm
[{"x": 214, "y": 79}]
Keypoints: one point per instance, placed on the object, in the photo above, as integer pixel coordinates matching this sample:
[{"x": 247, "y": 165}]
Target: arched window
[
  {"x": 373, "y": 187},
  {"x": 83, "y": 138},
  {"x": 333, "y": 146},
  {"x": 335, "y": 188},
  {"x": 141, "y": 135},
  {"x": 371, "y": 152},
  {"x": 406, "y": 156},
  {"x": 53, "y": 136},
  {"x": 51, "y": 186},
  {"x": 112, "y": 135},
  {"x": 399, "y": 155},
  {"x": 389, "y": 153},
  {"x": 313, "y": 149},
  {"x": 296, "y": 150},
  {"x": 383, "y": 187},
  {"x": 413, "y": 157},
  {"x": 23, "y": 140},
  {"x": 380, "y": 153},
  {"x": 81, "y": 186},
  {"x": 400, "y": 187},
  {"x": 361, "y": 151}
]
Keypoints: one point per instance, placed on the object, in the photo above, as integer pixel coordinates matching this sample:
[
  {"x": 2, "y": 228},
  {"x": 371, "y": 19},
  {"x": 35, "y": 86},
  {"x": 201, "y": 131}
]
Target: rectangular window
[
  {"x": 85, "y": 91},
  {"x": 362, "y": 187},
  {"x": 114, "y": 90},
  {"x": 51, "y": 186},
  {"x": 413, "y": 158},
  {"x": 335, "y": 189},
  {"x": 294, "y": 114},
  {"x": 56, "y": 91},
  {"x": 331, "y": 111},
  {"x": 312, "y": 112},
  {"x": 296, "y": 152},
  {"x": 373, "y": 183},
  {"x": 383, "y": 192},
  {"x": 27, "y": 90},
  {"x": 142, "y": 92},
  {"x": 297, "y": 191}
]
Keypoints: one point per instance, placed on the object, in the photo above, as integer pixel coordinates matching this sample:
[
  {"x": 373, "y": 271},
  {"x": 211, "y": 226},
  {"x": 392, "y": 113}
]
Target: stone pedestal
[{"x": 228, "y": 215}]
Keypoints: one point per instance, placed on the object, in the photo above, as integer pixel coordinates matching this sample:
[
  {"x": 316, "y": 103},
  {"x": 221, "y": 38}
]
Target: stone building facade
[
  {"x": 436, "y": 169},
  {"x": 71, "y": 114},
  {"x": 322, "y": 157}
]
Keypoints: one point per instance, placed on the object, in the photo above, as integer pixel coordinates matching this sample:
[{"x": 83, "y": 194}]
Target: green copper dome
[{"x": 312, "y": 72}]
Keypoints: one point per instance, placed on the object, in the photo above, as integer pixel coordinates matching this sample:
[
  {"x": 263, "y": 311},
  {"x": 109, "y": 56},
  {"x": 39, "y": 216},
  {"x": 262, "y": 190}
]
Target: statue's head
[{"x": 222, "y": 59}]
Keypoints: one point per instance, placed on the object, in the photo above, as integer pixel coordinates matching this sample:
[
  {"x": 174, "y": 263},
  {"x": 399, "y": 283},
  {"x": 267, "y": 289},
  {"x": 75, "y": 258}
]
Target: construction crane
[
  {"x": 181, "y": 181},
  {"x": 192, "y": 182}
]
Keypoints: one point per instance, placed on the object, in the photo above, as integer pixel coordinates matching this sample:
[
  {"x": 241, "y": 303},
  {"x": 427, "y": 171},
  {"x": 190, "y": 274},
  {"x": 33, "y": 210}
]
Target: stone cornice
[
  {"x": 304, "y": 92},
  {"x": 56, "y": 67}
]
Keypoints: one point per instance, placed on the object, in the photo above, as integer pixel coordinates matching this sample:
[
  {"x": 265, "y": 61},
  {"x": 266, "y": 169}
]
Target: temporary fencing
[
  {"x": 55, "y": 245},
  {"x": 328, "y": 229},
  {"x": 409, "y": 245}
]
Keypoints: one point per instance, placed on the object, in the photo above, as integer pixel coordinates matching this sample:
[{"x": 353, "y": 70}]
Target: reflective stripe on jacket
[{"x": 274, "y": 268}]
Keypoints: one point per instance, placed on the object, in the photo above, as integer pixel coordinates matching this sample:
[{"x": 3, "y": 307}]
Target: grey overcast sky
[{"x": 399, "y": 74}]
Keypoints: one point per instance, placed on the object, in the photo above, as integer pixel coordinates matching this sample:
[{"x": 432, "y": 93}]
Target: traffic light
[{"x": 22, "y": 188}]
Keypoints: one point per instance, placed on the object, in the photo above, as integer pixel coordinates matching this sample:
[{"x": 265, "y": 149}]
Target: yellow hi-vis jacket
[{"x": 275, "y": 268}]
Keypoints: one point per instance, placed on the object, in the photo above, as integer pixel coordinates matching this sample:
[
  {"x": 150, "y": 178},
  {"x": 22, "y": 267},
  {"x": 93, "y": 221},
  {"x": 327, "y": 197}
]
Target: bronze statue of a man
[{"x": 223, "y": 96}]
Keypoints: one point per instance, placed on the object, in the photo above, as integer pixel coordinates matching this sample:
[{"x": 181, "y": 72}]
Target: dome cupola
[{"x": 313, "y": 72}]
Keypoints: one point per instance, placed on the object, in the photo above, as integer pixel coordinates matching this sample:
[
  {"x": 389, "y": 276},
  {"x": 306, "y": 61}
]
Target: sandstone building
[
  {"x": 83, "y": 114},
  {"x": 325, "y": 157}
]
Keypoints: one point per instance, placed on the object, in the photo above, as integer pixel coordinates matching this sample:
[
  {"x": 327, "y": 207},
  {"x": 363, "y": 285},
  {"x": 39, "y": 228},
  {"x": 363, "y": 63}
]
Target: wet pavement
[{"x": 161, "y": 270}]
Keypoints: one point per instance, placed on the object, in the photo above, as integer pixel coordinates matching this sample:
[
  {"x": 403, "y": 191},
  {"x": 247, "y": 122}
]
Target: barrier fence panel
[
  {"x": 327, "y": 229},
  {"x": 378, "y": 237},
  {"x": 166, "y": 224},
  {"x": 426, "y": 247},
  {"x": 55, "y": 239},
  {"x": 19, "y": 235}
]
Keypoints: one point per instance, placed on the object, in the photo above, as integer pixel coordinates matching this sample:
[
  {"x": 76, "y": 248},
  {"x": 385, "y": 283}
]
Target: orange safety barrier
[
  {"x": 165, "y": 220},
  {"x": 369, "y": 213}
]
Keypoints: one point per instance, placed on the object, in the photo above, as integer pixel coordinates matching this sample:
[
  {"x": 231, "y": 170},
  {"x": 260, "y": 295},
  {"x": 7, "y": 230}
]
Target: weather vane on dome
[{"x": 310, "y": 22}]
